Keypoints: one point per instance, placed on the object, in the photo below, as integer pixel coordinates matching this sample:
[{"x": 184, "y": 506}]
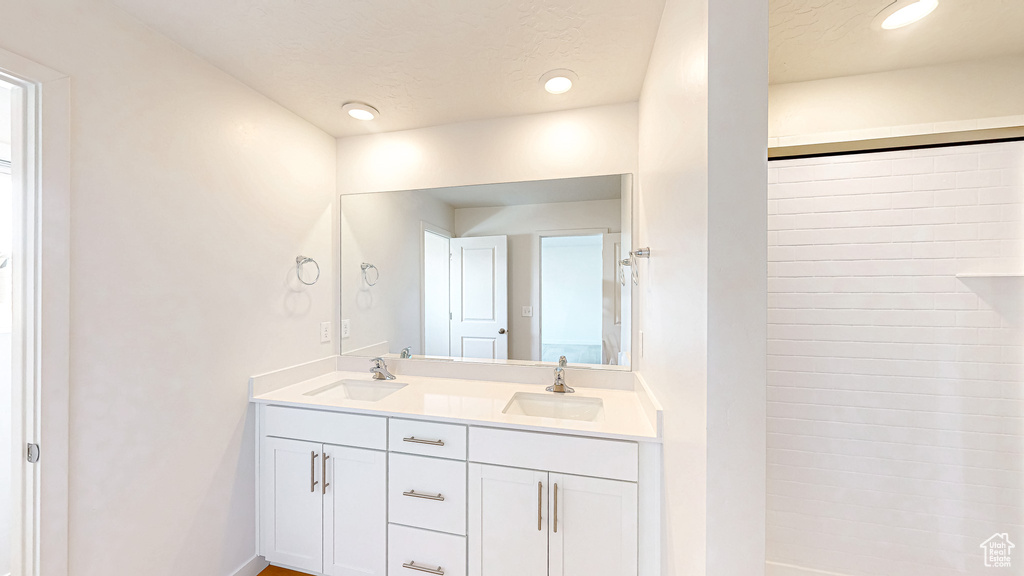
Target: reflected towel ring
[
  {"x": 299, "y": 261},
  {"x": 367, "y": 266},
  {"x": 634, "y": 268}
]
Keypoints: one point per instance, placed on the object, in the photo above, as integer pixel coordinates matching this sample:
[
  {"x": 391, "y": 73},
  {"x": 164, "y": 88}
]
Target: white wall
[
  {"x": 946, "y": 98},
  {"x": 585, "y": 142},
  {"x": 386, "y": 230},
  {"x": 895, "y": 402},
  {"x": 521, "y": 224},
  {"x": 702, "y": 212},
  {"x": 191, "y": 197}
]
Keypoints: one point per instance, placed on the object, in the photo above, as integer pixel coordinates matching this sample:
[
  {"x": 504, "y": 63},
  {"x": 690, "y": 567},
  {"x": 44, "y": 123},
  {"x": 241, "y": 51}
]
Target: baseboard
[
  {"x": 252, "y": 567},
  {"x": 782, "y": 569}
]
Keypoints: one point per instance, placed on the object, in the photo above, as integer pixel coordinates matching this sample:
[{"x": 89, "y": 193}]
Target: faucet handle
[{"x": 562, "y": 362}]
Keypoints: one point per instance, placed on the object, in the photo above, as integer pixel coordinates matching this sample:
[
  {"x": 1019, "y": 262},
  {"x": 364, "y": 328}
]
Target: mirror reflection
[{"x": 521, "y": 272}]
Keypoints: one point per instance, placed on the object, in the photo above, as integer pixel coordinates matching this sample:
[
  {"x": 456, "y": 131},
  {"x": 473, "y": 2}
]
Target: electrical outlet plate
[
  {"x": 325, "y": 332},
  {"x": 527, "y": 311},
  {"x": 345, "y": 328}
]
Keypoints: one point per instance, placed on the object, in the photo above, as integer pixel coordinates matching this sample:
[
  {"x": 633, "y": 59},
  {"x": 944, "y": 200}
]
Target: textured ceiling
[
  {"x": 813, "y": 39},
  {"x": 420, "y": 62}
]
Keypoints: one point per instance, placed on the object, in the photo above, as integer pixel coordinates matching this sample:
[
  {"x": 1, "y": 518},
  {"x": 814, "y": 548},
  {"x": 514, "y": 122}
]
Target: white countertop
[{"x": 628, "y": 414}]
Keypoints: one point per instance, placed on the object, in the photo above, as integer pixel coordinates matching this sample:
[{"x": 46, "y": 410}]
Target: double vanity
[{"x": 427, "y": 473}]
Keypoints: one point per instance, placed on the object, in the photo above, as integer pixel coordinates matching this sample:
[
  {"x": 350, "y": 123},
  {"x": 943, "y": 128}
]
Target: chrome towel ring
[
  {"x": 299, "y": 262},
  {"x": 376, "y": 276}
]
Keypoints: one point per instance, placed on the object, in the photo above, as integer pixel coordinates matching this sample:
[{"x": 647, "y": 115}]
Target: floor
[{"x": 275, "y": 571}]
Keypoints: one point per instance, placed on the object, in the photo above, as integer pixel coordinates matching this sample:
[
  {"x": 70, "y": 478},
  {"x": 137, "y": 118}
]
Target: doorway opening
[
  {"x": 35, "y": 312},
  {"x": 7, "y": 431},
  {"x": 571, "y": 297}
]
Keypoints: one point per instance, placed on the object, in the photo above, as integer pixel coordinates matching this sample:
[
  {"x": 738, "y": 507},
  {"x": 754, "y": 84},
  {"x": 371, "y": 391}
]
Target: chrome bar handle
[
  {"x": 416, "y": 440},
  {"x": 323, "y": 474},
  {"x": 414, "y": 494},
  {"x": 312, "y": 471},
  {"x": 413, "y": 566},
  {"x": 540, "y": 501},
  {"x": 556, "y": 507}
]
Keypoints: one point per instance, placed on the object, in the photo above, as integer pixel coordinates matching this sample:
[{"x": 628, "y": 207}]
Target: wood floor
[{"x": 275, "y": 571}]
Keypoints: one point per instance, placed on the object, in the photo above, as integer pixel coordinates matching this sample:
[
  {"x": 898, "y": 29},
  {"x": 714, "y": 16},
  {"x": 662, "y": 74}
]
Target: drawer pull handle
[
  {"x": 323, "y": 474},
  {"x": 312, "y": 471},
  {"x": 416, "y": 440},
  {"x": 540, "y": 500},
  {"x": 412, "y": 566},
  {"x": 556, "y": 507},
  {"x": 414, "y": 494}
]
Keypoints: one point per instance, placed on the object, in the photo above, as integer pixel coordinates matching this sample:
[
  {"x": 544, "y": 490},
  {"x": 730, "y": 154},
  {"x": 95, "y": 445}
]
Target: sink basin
[
  {"x": 560, "y": 406},
  {"x": 362, "y": 390}
]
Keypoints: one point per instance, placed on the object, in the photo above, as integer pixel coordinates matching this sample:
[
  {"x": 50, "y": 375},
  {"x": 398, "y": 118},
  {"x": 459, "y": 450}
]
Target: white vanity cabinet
[
  {"x": 323, "y": 505},
  {"x": 527, "y": 516},
  {"x": 345, "y": 494}
]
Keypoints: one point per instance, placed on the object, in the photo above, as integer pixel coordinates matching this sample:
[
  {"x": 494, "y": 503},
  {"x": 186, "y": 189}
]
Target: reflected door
[
  {"x": 436, "y": 293},
  {"x": 479, "y": 297}
]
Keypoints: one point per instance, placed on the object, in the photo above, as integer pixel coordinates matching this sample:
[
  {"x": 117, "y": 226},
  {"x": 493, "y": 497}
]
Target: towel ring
[
  {"x": 299, "y": 261},
  {"x": 367, "y": 266}
]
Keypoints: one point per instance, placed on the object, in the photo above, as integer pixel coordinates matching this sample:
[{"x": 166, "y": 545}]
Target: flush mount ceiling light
[
  {"x": 558, "y": 81},
  {"x": 904, "y": 12},
  {"x": 360, "y": 111}
]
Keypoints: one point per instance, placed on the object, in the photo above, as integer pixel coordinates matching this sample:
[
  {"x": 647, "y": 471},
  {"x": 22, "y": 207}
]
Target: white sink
[
  {"x": 560, "y": 406},
  {"x": 362, "y": 390}
]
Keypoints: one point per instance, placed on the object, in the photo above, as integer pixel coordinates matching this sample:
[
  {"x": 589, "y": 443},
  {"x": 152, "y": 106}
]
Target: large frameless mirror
[{"x": 523, "y": 272}]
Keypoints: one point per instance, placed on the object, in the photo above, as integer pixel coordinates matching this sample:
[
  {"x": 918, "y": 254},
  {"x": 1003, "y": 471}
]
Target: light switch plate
[
  {"x": 527, "y": 311},
  {"x": 345, "y": 328},
  {"x": 325, "y": 332}
]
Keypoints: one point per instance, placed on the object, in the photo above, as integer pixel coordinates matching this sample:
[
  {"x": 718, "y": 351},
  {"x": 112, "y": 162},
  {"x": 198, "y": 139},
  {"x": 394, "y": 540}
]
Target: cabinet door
[
  {"x": 593, "y": 527},
  {"x": 355, "y": 512},
  {"x": 291, "y": 508},
  {"x": 508, "y": 521}
]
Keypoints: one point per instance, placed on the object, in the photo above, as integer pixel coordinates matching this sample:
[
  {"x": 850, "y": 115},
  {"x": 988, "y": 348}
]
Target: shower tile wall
[{"x": 895, "y": 399}]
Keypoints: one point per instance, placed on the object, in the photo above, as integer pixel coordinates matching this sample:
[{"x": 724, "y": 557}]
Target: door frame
[{"x": 41, "y": 171}]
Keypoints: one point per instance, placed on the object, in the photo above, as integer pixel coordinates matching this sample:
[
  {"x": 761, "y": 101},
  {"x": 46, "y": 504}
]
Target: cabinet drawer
[
  {"x": 326, "y": 427},
  {"x": 615, "y": 459},
  {"x": 413, "y": 552},
  {"x": 427, "y": 438},
  {"x": 427, "y": 493}
]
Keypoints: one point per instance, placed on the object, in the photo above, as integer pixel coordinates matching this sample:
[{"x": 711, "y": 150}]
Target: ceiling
[
  {"x": 420, "y": 63},
  {"x": 814, "y": 39},
  {"x": 535, "y": 192}
]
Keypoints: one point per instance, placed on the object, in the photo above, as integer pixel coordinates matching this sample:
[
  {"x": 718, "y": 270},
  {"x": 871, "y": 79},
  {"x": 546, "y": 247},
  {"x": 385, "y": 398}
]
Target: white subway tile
[
  {"x": 910, "y": 166},
  {"x": 979, "y": 179},
  {"x": 934, "y": 181}
]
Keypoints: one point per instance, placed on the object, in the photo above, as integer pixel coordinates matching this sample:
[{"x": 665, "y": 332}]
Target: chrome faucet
[
  {"x": 406, "y": 352},
  {"x": 559, "y": 386},
  {"x": 380, "y": 370}
]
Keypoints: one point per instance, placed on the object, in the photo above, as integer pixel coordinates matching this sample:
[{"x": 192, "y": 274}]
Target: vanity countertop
[{"x": 627, "y": 414}]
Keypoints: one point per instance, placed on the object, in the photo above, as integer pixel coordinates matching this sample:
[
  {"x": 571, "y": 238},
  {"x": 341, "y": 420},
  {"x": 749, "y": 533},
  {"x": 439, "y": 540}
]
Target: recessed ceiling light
[
  {"x": 558, "y": 81},
  {"x": 903, "y": 13},
  {"x": 360, "y": 111}
]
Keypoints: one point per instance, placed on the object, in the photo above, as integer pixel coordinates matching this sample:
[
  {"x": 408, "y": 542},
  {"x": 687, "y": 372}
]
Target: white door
[
  {"x": 436, "y": 293},
  {"x": 596, "y": 529},
  {"x": 355, "y": 512},
  {"x": 292, "y": 503},
  {"x": 479, "y": 304},
  {"x": 508, "y": 521}
]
